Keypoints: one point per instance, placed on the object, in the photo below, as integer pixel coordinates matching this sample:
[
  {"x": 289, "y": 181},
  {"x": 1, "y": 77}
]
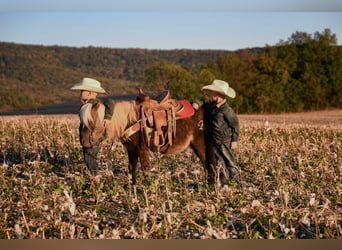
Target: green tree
[{"x": 161, "y": 76}]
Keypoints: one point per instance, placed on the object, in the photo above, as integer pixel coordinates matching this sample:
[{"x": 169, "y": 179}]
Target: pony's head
[
  {"x": 92, "y": 116},
  {"x": 92, "y": 119}
]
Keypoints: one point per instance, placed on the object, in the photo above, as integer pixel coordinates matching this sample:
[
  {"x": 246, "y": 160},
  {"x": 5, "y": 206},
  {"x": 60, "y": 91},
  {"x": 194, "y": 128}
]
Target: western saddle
[{"x": 157, "y": 118}]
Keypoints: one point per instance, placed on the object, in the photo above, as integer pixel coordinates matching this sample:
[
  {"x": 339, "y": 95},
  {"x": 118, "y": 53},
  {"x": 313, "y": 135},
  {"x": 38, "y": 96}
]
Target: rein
[{"x": 133, "y": 128}]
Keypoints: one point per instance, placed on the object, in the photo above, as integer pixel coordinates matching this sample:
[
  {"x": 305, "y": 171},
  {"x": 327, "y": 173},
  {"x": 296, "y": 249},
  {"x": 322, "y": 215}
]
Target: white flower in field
[
  {"x": 72, "y": 231},
  {"x": 212, "y": 211},
  {"x": 279, "y": 159},
  {"x": 196, "y": 205},
  {"x": 284, "y": 229},
  {"x": 305, "y": 220},
  {"x": 196, "y": 172},
  {"x": 115, "y": 234},
  {"x": 4, "y": 165},
  {"x": 312, "y": 201},
  {"x": 18, "y": 231},
  {"x": 70, "y": 204},
  {"x": 243, "y": 210},
  {"x": 311, "y": 197},
  {"x": 132, "y": 233},
  {"x": 209, "y": 231},
  {"x": 32, "y": 163},
  {"x": 143, "y": 215},
  {"x": 270, "y": 237},
  {"x": 326, "y": 204},
  {"x": 267, "y": 123},
  {"x": 302, "y": 174},
  {"x": 286, "y": 196},
  {"x": 256, "y": 203},
  {"x": 331, "y": 221},
  {"x": 169, "y": 218}
]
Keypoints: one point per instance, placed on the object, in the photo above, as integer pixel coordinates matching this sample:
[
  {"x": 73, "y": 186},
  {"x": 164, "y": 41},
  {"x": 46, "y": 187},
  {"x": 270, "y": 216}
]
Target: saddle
[{"x": 158, "y": 117}]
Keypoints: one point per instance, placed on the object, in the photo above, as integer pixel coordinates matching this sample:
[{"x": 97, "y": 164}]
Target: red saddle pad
[{"x": 186, "y": 111}]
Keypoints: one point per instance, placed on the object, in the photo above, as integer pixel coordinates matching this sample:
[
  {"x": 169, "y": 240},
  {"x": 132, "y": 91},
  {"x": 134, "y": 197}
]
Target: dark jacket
[{"x": 221, "y": 123}]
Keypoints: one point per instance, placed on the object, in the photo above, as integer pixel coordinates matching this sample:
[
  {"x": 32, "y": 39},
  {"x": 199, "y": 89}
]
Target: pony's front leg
[
  {"x": 144, "y": 155},
  {"x": 132, "y": 165}
]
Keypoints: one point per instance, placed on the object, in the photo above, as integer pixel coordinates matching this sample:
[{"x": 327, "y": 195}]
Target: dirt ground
[
  {"x": 316, "y": 118},
  {"x": 331, "y": 118}
]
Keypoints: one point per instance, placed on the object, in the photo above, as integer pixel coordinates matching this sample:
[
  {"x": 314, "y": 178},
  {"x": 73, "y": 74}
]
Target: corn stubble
[{"x": 291, "y": 173}]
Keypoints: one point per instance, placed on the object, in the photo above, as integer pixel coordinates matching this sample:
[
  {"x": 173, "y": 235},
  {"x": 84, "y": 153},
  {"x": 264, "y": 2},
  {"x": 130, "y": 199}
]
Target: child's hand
[
  {"x": 195, "y": 106},
  {"x": 234, "y": 145},
  {"x": 106, "y": 123}
]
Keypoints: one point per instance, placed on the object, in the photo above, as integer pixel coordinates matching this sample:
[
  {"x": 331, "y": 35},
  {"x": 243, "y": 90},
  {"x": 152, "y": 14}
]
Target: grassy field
[{"x": 291, "y": 172}]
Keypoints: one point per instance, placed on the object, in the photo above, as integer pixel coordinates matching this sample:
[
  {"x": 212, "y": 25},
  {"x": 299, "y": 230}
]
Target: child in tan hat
[
  {"x": 221, "y": 129},
  {"x": 90, "y": 88}
]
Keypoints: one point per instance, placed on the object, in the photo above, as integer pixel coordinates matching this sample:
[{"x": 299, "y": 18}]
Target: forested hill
[
  {"x": 300, "y": 74},
  {"x": 31, "y": 76}
]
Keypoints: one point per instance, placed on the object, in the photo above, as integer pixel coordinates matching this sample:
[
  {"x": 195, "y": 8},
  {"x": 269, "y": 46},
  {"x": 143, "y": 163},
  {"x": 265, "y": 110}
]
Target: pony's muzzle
[{"x": 89, "y": 142}]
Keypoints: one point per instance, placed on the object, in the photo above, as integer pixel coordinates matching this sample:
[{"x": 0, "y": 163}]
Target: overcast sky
[{"x": 157, "y": 24}]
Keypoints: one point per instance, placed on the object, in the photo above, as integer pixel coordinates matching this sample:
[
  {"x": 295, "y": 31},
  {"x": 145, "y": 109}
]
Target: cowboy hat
[
  {"x": 220, "y": 87},
  {"x": 90, "y": 85}
]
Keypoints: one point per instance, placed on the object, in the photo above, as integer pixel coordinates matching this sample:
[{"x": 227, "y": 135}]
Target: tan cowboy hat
[
  {"x": 90, "y": 85},
  {"x": 220, "y": 87}
]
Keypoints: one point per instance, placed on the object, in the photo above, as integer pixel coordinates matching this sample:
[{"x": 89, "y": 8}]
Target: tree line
[{"x": 300, "y": 74}]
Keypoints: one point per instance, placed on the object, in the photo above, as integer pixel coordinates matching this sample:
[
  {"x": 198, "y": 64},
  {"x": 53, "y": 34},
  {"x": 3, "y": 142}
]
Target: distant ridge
[
  {"x": 302, "y": 73},
  {"x": 37, "y": 75},
  {"x": 63, "y": 108}
]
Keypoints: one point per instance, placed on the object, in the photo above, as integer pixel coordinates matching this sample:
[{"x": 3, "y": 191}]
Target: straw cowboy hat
[
  {"x": 90, "y": 85},
  {"x": 220, "y": 87}
]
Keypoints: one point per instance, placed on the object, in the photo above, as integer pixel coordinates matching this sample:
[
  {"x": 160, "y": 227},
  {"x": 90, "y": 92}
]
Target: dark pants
[
  {"x": 90, "y": 160},
  {"x": 226, "y": 162}
]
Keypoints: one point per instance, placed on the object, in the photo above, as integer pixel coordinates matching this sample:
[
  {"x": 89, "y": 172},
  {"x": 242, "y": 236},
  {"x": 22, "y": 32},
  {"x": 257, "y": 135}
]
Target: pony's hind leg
[
  {"x": 206, "y": 155},
  {"x": 210, "y": 164}
]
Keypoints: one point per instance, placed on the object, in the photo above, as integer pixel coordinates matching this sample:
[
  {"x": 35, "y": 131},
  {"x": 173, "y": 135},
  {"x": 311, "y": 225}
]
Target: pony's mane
[{"x": 85, "y": 114}]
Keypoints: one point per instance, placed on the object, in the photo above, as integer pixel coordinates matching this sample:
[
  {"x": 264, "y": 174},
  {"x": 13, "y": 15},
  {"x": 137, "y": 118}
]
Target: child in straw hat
[
  {"x": 89, "y": 89},
  {"x": 221, "y": 129}
]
